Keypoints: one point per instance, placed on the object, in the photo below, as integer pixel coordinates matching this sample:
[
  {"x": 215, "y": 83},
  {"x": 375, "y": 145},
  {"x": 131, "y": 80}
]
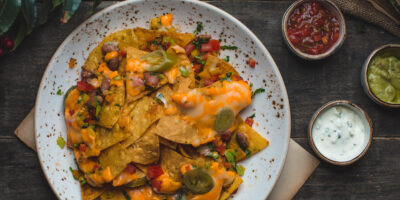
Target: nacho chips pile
[{"x": 155, "y": 116}]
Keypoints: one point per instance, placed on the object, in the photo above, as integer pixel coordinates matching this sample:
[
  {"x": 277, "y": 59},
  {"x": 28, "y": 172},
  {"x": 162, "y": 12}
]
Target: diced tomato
[
  {"x": 84, "y": 86},
  {"x": 226, "y": 136},
  {"x": 82, "y": 147},
  {"x": 252, "y": 62},
  {"x": 215, "y": 77},
  {"x": 154, "y": 171},
  {"x": 313, "y": 51},
  {"x": 249, "y": 121},
  {"x": 293, "y": 39},
  {"x": 206, "y": 47},
  {"x": 205, "y": 56},
  {"x": 317, "y": 38},
  {"x": 189, "y": 48},
  {"x": 122, "y": 53},
  {"x": 227, "y": 165},
  {"x": 208, "y": 81},
  {"x": 156, "y": 185},
  {"x": 95, "y": 167},
  {"x": 130, "y": 168},
  {"x": 235, "y": 78},
  {"x": 215, "y": 44},
  {"x": 220, "y": 149},
  {"x": 196, "y": 68},
  {"x": 71, "y": 112}
]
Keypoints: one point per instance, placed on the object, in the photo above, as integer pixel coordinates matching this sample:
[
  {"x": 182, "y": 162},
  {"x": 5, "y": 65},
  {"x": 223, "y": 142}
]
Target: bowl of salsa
[
  {"x": 380, "y": 76},
  {"x": 313, "y": 29}
]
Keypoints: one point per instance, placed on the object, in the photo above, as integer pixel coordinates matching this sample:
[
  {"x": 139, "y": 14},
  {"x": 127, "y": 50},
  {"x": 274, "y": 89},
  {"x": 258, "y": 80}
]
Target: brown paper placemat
[{"x": 299, "y": 164}]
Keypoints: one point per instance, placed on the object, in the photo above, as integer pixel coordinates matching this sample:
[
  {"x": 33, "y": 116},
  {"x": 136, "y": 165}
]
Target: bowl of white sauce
[{"x": 340, "y": 132}]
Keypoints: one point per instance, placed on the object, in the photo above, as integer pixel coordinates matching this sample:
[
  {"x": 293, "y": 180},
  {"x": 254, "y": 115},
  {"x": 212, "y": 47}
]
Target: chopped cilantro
[
  {"x": 199, "y": 41},
  {"x": 59, "y": 92},
  {"x": 251, "y": 85},
  {"x": 200, "y": 60},
  {"x": 248, "y": 153},
  {"x": 239, "y": 170},
  {"x": 93, "y": 126},
  {"x": 229, "y": 47},
  {"x": 126, "y": 195},
  {"x": 117, "y": 104},
  {"x": 61, "y": 142},
  {"x": 210, "y": 146},
  {"x": 227, "y": 77},
  {"x": 199, "y": 28},
  {"x": 195, "y": 166},
  {"x": 76, "y": 145},
  {"x": 70, "y": 169},
  {"x": 226, "y": 59},
  {"x": 184, "y": 71},
  {"x": 257, "y": 91},
  {"x": 83, "y": 182},
  {"x": 160, "y": 76},
  {"x": 253, "y": 115},
  {"x": 117, "y": 78}
]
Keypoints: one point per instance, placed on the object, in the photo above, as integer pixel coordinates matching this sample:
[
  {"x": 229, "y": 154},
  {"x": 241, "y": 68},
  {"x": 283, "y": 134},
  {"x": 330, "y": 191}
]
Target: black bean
[
  {"x": 109, "y": 47},
  {"x": 113, "y": 64},
  {"x": 242, "y": 140}
]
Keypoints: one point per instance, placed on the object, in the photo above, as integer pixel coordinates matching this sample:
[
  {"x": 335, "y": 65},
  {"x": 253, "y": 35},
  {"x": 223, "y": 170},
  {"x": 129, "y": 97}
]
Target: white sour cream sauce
[{"x": 339, "y": 133}]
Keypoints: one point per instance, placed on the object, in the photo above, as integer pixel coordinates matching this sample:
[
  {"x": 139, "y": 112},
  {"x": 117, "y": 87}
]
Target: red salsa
[{"x": 312, "y": 28}]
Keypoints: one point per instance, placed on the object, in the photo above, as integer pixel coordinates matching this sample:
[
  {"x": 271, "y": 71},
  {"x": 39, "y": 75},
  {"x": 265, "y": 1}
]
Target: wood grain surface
[{"x": 309, "y": 85}]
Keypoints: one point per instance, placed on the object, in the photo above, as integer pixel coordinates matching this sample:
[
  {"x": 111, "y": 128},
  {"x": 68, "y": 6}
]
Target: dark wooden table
[{"x": 309, "y": 85}]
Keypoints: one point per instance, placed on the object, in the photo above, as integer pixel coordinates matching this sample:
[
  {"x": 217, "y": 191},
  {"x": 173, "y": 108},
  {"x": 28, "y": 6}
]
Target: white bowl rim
[{"x": 207, "y": 5}]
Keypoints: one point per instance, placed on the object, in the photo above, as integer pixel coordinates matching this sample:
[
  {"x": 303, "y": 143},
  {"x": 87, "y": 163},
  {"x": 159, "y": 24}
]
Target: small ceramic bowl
[
  {"x": 385, "y": 50},
  {"x": 366, "y": 122},
  {"x": 334, "y": 10}
]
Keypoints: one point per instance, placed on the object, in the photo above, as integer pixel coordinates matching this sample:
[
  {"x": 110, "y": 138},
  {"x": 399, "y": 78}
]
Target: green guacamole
[{"x": 384, "y": 78}]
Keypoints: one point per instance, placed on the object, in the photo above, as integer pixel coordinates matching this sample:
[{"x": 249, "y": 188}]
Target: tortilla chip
[
  {"x": 106, "y": 137},
  {"x": 91, "y": 193},
  {"x": 111, "y": 111},
  {"x": 113, "y": 194},
  {"x": 177, "y": 130},
  {"x": 145, "y": 36},
  {"x": 256, "y": 142},
  {"x": 130, "y": 180},
  {"x": 116, "y": 157},
  {"x": 146, "y": 150},
  {"x": 228, "y": 192},
  {"x": 168, "y": 143},
  {"x": 144, "y": 114},
  {"x": 134, "y": 53},
  {"x": 171, "y": 162},
  {"x": 215, "y": 65}
]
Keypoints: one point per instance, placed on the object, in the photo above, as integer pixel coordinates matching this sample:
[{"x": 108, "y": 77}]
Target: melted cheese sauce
[
  {"x": 124, "y": 177},
  {"x": 143, "y": 193},
  {"x": 201, "y": 106},
  {"x": 221, "y": 177}
]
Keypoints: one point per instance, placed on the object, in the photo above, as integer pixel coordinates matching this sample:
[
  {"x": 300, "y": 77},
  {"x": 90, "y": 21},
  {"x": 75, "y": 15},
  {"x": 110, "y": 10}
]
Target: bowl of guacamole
[{"x": 380, "y": 76}]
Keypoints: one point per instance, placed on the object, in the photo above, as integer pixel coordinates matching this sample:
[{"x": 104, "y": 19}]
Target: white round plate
[{"x": 271, "y": 107}]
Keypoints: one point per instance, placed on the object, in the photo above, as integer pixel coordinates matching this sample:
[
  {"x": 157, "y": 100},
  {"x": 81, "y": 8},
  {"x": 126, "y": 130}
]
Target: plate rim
[{"x": 201, "y": 3}]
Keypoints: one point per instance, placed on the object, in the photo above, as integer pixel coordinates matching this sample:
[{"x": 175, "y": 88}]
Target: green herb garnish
[
  {"x": 199, "y": 28},
  {"x": 227, "y": 77},
  {"x": 257, "y": 91},
  {"x": 200, "y": 60},
  {"x": 228, "y": 47},
  {"x": 59, "y": 92},
  {"x": 239, "y": 170},
  {"x": 226, "y": 59},
  {"x": 253, "y": 115}
]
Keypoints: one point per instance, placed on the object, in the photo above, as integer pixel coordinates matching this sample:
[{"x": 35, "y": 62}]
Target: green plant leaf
[
  {"x": 69, "y": 8},
  {"x": 95, "y": 4},
  {"x": 8, "y": 14},
  {"x": 29, "y": 11},
  {"x": 21, "y": 34},
  {"x": 47, "y": 7}
]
